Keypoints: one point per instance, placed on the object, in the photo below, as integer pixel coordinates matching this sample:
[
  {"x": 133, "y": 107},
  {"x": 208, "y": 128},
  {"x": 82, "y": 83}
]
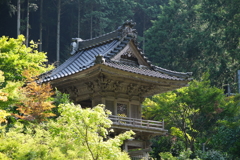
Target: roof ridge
[
  {"x": 173, "y": 73},
  {"x": 126, "y": 30},
  {"x": 142, "y": 71}
]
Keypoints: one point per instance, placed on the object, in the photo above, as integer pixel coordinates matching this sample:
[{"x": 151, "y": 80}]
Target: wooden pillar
[
  {"x": 129, "y": 109},
  {"x": 103, "y": 101},
  {"x": 115, "y": 106},
  {"x": 125, "y": 146},
  {"x": 93, "y": 103},
  {"x": 145, "y": 155},
  {"x": 139, "y": 111}
]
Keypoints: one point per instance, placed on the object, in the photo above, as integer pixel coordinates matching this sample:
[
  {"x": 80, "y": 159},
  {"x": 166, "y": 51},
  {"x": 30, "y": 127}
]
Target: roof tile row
[{"x": 108, "y": 46}]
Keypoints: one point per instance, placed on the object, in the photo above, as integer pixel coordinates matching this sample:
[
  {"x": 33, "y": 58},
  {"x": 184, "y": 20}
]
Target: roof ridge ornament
[
  {"x": 75, "y": 45},
  {"x": 127, "y": 30},
  {"x": 129, "y": 23},
  {"x": 99, "y": 59}
]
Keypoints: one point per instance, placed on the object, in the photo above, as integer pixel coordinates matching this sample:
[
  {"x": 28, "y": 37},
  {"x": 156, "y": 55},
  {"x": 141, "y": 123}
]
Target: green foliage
[
  {"x": 177, "y": 132},
  {"x": 15, "y": 57},
  {"x": 77, "y": 134},
  {"x": 169, "y": 41},
  {"x": 8, "y": 94},
  {"x": 59, "y": 98},
  {"x": 91, "y": 127},
  {"x": 227, "y": 138},
  {"x": 191, "y": 35},
  {"x": 177, "y": 147},
  {"x": 3, "y": 115},
  {"x": 166, "y": 143},
  {"x": 232, "y": 112},
  {"x": 185, "y": 155},
  {"x": 3, "y": 96},
  {"x": 195, "y": 115},
  {"x": 189, "y": 111},
  {"x": 212, "y": 155},
  {"x": 160, "y": 144},
  {"x": 167, "y": 156}
]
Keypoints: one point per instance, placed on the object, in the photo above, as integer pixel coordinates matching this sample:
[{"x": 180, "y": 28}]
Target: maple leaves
[{"x": 35, "y": 104}]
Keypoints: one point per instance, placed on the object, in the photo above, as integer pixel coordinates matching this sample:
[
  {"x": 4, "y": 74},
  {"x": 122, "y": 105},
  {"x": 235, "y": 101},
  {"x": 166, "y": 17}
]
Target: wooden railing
[{"x": 127, "y": 121}]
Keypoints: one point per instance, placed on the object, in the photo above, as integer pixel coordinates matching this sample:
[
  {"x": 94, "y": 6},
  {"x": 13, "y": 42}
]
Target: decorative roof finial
[
  {"x": 75, "y": 45},
  {"x": 99, "y": 59},
  {"x": 127, "y": 30},
  {"x": 129, "y": 23}
]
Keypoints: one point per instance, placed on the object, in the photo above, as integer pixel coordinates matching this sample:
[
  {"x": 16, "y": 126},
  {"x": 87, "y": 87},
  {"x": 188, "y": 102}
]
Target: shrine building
[{"x": 112, "y": 70}]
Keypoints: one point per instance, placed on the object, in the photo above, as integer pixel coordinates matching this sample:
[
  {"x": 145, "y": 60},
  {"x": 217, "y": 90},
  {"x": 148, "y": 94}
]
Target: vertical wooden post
[
  {"x": 115, "y": 107},
  {"x": 163, "y": 124},
  {"x": 139, "y": 111},
  {"x": 93, "y": 102},
  {"x": 103, "y": 101},
  {"x": 129, "y": 114},
  {"x": 125, "y": 147}
]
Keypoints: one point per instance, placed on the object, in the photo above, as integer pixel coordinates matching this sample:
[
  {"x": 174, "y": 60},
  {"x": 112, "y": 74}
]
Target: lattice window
[{"x": 122, "y": 109}]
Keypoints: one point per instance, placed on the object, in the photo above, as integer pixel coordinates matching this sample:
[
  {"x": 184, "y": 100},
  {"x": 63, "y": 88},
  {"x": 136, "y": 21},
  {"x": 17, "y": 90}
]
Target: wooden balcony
[{"x": 148, "y": 126}]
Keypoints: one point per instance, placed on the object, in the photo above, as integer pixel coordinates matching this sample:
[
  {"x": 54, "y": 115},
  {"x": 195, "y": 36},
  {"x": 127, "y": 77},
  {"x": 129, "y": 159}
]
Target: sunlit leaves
[
  {"x": 91, "y": 125},
  {"x": 77, "y": 134},
  {"x": 3, "y": 115},
  {"x": 34, "y": 104},
  {"x": 188, "y": 111},
  {"x": 16, "y": 57}
]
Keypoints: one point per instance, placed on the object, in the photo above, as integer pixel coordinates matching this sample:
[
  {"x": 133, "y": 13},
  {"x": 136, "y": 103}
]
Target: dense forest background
[
  {"x": 79, "y": 18},
  {"x": 183, "y": 35}
]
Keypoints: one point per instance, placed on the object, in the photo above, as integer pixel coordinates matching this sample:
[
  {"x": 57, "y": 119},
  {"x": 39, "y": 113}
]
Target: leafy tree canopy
[
  {"x": 197, "y": 36},
  {"x": 188, "y": 111},
  {"x": 15, "y": 57},
  {"x": 34, "y": 104},
  {"x": 77, "y": 134}
]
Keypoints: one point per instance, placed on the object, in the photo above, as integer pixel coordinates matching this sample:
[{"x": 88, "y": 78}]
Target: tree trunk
[
  {"x": 18, "y": 16},
  {"x": 79, "y": 15},
  {"x": 58, "y": 31},
  {"x": 144, "y": 28},
  {"x": 91, "y": 23},
  {"x": 27, "y": 28},
  {"x": 40, "y": 26}
]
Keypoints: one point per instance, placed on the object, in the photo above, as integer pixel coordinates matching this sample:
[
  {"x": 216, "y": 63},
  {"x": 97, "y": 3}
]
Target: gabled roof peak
[
  {"x": 129, "y": 23},
  {"x": 124, "y": 31}
]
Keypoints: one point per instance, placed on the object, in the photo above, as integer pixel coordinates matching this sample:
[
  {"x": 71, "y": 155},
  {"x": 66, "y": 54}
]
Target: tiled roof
[
  {"x": 79, "y": 62},
  {"x": 141, "y": 71},
  {"x": 107, "y": 46},
  {"x": 172, "y": 73}
]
